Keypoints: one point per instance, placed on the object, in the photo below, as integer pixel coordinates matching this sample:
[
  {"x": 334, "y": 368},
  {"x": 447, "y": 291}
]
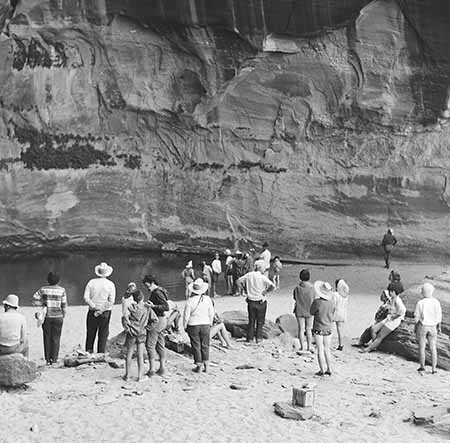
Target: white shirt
[
  {"x": 100, "y": 293},
  {"x": 198, "y": 312},
  {"x": 12, "y": 328},
  {"x": 256, "y": 284},
  {"x": 266, "y": 256},
  {"x": 216, "y": 266},
  {"x": 428, "y": 312}
]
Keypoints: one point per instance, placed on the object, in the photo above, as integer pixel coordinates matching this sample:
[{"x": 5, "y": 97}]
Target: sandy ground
[{"x": 368, "y": 397}]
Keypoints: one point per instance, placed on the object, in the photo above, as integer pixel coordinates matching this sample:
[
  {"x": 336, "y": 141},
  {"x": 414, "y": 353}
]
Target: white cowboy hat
[
  {"x": 189, "y": 264},
  {"x": 103, "y": 270},
  {"x": 323, "y": 289},
  {"x": 198, "y": 287},
  {"x": 12, "y": 300}
]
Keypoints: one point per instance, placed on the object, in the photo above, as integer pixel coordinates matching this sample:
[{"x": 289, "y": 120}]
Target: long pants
[
  {"x": 20, "y": 348},
  {"x": 155, "y": 343},
  {"x": 51, "y": 329},
  {"x": 199, "y": 336},
  {"x": 387, "y": 255},
  {"x": 256, "y": 318},
  {"x": 98, "y": 325}
]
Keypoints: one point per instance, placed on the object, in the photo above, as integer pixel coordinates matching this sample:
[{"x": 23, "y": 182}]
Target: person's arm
[
  {"x": 64, "y": 303},
  {"x": 394, "y": 240},
  {"x": 23, "y": 332},
  {"x": 417, "y": 313},
  {"x": 439, "y": 316},
  {"x": 186, "y": 314},
  {"x": 210, "y": 312},
  {"x": 313, "y": 308},
  {"x": 400, "y": 309},
  {"x": 270, "y": 286},
  {"x": 37, "y": 298},
  {"x": 111, "y": 296},
  {"x": 87, "y": 296}
]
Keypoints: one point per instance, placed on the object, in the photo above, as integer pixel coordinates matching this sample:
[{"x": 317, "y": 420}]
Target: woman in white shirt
[{"x": 198, "y": 317}]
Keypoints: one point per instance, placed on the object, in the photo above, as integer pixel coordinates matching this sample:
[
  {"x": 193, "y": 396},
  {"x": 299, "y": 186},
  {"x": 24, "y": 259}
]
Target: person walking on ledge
[
  {"x": 388, "y": 243},
  {"x": 53, "y": 297},
  {"x": 428, "y": 318},
  {"x": 256, "y": 285},
  {"x": 99, "y": 294}
]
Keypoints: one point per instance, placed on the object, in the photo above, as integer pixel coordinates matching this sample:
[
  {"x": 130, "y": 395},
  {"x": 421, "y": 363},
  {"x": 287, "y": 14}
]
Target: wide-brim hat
[
  {"x": 198, "y": 286},
  {"x": 103, "y": 270},
  {"x": 342, "y": 288},
  {"x": 12, "y": 300},
  {"x": 323, "y": 290}
]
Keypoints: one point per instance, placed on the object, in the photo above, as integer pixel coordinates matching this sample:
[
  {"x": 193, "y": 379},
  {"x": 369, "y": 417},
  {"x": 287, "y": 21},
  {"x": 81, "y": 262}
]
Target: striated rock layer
[{"x": 190, "y": 124}]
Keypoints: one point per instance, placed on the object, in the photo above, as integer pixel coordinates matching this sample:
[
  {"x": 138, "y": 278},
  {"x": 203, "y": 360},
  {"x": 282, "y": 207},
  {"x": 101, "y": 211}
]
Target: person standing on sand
[
  {"x": 127, "y": 300},
  {"x": 256, "y": 285},
  {"x": 53, "y": 297},
  {"x": 136, "y": 321},
  {"x": 266, "y": 257},
  {"x": 13, "y": 328},
  {"x": 229, "y": 271},
  {"x": 277, "y": 266},
  {"x": 388, "y": 243},
  {"x": 428, "y": 318},
  {"x": 156, "y": 342},
  {"x": 216, "y": 266},
  {"x": 323, "y": 308},
  {"x": 207, "y": 275},
  {"x": 198, "y": 317},
  {"x": 188, "y": 275},
  {"x": 340, "y": 314},
  {"x": 304, "y": 296},
  {"x": 99, "y": 295}
]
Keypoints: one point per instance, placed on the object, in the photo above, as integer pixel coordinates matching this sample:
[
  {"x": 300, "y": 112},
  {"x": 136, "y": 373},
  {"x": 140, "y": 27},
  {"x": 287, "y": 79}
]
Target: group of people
[
  {"x": 317, "y": 307},
  {"x": 236, "y": 265}
]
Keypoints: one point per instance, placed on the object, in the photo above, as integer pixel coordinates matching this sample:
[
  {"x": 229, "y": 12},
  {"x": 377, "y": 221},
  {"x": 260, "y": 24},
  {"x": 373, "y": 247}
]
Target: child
[
  {"x": 340, "y": 314},
  {"x": 304, "y": 296},
  {"x": 136, "y": 321},
  {"x": 277, "y": 266},
  {"x": 188, "y": 275},
  {"x": 127, "y": 300}
]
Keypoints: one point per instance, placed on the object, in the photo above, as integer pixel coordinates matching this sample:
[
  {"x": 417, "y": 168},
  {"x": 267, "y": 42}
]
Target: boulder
[
  {"x": 434, "y": 419},
  {"x": 286, "y": 410},
  {"x": 403, "y": 340},
  {"x": 288, "y": 323},
  {"x": 236, "y": 323},
  {"x": 16, "y": 370}
]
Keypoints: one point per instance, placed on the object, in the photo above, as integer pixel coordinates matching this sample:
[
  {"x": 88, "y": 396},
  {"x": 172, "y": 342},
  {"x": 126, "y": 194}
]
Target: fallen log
[{"x": 72, "y": 361}]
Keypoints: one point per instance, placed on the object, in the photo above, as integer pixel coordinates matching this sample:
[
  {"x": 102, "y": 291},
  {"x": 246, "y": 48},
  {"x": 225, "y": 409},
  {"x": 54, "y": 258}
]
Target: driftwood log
[{"x": 403, "y": 340}]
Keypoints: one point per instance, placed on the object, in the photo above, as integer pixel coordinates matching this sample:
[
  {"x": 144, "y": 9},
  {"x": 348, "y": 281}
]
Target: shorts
[
  {"x": 426, "y": 331},
  {"x": 316, "y": 332},
  {"x": 130, "y": 340}
]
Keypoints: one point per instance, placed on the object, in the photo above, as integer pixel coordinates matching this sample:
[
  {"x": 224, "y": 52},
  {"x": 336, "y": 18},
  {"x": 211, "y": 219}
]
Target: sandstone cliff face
[{"x": 185, "y": 123}]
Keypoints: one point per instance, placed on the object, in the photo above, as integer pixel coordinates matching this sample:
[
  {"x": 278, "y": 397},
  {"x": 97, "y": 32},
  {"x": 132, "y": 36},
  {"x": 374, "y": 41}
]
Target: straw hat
[
  {"x": 12, "y": 300},
  {"x": 198, "y": 287},
  {"x": 103, "y": 270},
  {"x": 323, "y": 290}
]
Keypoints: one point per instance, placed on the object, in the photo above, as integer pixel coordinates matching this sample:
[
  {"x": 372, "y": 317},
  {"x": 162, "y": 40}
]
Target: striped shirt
[{"x": 54, "y": 298}]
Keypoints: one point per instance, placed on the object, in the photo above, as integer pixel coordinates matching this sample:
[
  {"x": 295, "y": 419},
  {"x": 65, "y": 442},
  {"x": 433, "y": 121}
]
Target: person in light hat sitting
[
  {"x": 99, "y": 295},
  {"x": 12, "y": 328},
  {"x": 323, "y": 309}
]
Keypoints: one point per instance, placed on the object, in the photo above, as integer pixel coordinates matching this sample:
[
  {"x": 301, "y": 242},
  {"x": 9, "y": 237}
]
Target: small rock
[
  {"x": 101, "y": 382},
  {"x": 286, "y": 410},
  {"x": 237, "y": 387},
  {"x": 245, "y": 367}
]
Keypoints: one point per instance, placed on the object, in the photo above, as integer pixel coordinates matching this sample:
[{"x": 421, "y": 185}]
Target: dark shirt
[
  {"x": 159, "y": 299},
  {"x": 396, "y": 286},
  {"x": 382, "y": 313},
  {"x": 389, "y": 239},
  {"x": 303, "y": 296},
  {"x": 323, "y": 311}
]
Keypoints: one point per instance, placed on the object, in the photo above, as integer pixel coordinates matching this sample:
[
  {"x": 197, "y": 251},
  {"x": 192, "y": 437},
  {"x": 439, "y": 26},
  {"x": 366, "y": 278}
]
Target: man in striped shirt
[{"x": 53, "y": 297}]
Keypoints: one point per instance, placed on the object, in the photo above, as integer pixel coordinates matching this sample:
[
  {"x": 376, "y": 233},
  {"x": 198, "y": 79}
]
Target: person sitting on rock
[
  {"x": 428, "y": 318},
  {"x": 382, "y": 312},
  {"x": 219, "y": 330},
  {"x": 12, "y": 328},
  {"x": 397, "y": 311}
]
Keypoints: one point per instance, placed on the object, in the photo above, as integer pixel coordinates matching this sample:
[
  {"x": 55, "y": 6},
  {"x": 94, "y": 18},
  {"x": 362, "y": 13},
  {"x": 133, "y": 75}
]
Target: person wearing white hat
[
  {"x": 198, "y": 317},
  {"x": 323, "y": 308},
  {"x": 99, "y": 295},
  {"x": 340, "y": 314},
  {"x": 12, "y": 328},
  {"x": 428, "y": 318}
]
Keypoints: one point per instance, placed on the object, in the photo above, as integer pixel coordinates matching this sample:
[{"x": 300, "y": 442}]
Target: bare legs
[
  {"x": 340, "y": 326},
  {"x": 432, "y": 346},
  {"x": 129, "y": 359},
  {"x": 323, "y": 343},
  {"x": 305, "y": 326},
  {"x": 380, "y": 336},
  {"x": 222, "y": 334}
]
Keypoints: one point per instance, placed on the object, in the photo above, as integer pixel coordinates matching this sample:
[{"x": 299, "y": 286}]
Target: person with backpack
[{"x": 155, "y": 341}]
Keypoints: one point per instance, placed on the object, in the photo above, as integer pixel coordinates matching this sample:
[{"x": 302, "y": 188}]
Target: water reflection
[{"x": 25, "y": 275}]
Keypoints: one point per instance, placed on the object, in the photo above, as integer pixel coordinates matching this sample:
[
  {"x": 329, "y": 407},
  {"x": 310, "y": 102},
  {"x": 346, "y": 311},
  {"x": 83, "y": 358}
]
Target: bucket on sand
[{"x": 304, "y": 396}]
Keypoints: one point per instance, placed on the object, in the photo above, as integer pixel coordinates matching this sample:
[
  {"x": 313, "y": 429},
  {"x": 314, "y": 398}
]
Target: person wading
[
  {"x": 99, "y": 294},
  {"x": 388, "y": 243}
]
